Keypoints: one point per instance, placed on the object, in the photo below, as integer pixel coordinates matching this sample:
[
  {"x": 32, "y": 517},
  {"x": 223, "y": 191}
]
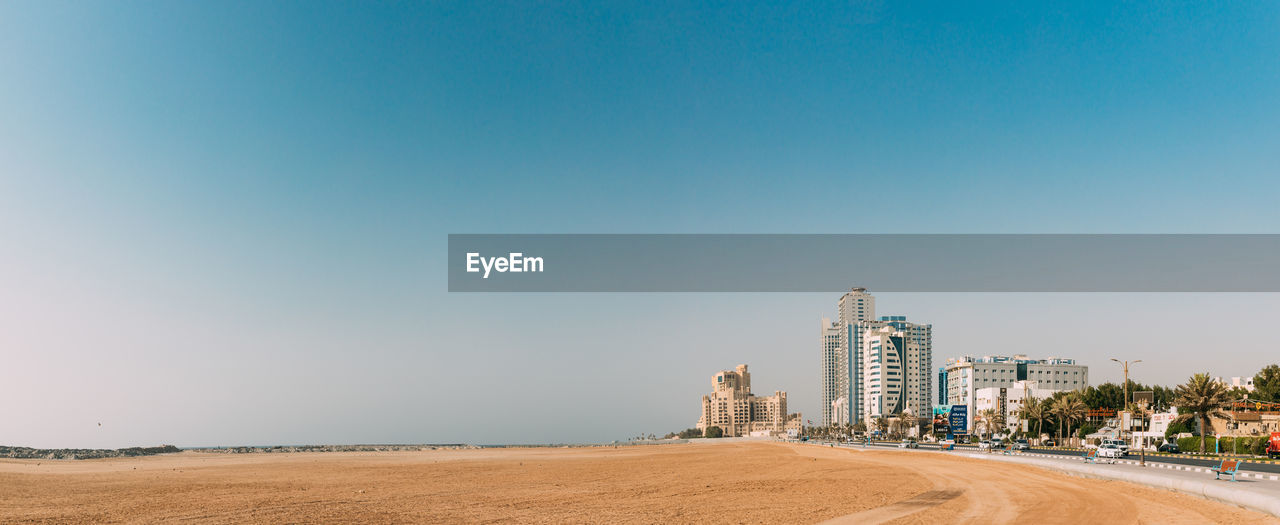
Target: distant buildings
[
  {"x": 873, "y": 368},
  {"x": 968, "y": 376},
  {"x": 732, "y": 407},
  {"x": 1237, "y": 382}
]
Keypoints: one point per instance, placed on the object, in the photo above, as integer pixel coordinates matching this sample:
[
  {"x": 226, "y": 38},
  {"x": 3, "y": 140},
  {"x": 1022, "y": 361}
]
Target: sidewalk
[{"x": 1260, "y": 492}]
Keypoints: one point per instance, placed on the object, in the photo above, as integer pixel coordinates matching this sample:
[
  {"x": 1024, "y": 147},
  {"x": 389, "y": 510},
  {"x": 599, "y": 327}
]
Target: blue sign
[{"x": 959, "y": 418}]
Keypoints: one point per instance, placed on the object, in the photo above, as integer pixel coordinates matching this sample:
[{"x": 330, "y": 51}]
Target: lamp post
[{"x": 1142, "y": 450}]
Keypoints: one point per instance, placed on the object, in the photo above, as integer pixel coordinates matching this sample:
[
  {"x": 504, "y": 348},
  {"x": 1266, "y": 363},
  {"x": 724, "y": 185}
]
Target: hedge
[{"x": 1256, "y": 446}]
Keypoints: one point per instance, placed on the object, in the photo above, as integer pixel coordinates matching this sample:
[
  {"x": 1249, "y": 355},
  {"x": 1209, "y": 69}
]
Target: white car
[
  {"x": 1118, "y": 443},
  {"x": 1109, "y": 450},
  {"x": 985, "y": 445}
]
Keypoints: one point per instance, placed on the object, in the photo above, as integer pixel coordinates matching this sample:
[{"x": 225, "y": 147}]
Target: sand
[{"x": 702, "y": 482}]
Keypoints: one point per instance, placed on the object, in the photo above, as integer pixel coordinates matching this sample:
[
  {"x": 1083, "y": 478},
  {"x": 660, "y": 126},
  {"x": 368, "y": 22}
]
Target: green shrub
[
  {"x": 1192, "y": 444},
  {"x": 714, "y": 432},
  {"x": 1259, "y": 447},
  {"x": 1178, "y": 428}
]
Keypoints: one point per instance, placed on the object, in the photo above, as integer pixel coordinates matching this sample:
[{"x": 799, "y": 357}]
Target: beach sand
[{"x": 702, "y": 482}]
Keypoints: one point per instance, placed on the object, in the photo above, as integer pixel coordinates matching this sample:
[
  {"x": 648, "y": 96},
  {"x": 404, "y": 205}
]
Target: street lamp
[{"x": 1142, "y": 451}]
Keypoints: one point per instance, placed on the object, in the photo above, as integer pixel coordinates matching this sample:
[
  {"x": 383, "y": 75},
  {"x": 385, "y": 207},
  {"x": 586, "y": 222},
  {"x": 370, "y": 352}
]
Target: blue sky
[{"x": 225, "y": 223}]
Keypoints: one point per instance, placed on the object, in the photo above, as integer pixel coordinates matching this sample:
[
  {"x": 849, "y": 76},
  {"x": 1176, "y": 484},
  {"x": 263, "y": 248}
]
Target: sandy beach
[{"x": 703, "y": 482}]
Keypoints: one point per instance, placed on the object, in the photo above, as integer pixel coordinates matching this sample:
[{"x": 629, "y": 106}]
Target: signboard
[
  {"x": 959, "y": 419},
  {"x": 1004, "y": 404},
  {"x": 940, "y": 425},
  {"x": 1144, "y": 398}
]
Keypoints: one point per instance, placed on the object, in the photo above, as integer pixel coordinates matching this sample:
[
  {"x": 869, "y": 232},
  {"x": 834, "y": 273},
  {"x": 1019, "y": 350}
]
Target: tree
[
  {"x": 1068, "y": 409},
  {"x": 908, "y": 420},
  {"x": 1035, "y": 410},
  {"x": 1030, "y": 411},
  {"x": 988, "y": 418},
  {"x": 1266, "y": 385},
  {"x": 1203, "y": 398},
  {"x": 882, "y": 424},
  {"x": 714, "y": 432}
]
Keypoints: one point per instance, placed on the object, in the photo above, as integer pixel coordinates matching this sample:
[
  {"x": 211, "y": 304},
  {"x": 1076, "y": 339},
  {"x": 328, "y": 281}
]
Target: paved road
[{"x": 1176, "y": 460}]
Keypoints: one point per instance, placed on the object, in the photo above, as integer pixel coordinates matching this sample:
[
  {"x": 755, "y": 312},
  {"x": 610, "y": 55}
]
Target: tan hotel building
[{"x": 732, "y": 407}]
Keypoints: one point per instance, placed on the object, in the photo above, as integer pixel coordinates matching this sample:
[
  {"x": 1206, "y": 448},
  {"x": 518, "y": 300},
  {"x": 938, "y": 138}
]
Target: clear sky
[{"x": 225, "y": 223}]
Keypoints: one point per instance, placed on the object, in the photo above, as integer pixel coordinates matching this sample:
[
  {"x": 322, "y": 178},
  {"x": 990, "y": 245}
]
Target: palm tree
[
  {"x": 988, "y": 416},
  {"x": 896, "y": 424},
  {"x": 1024, "y": 411},
  {"x": 1034, "y": 410},
  {"x": 909, "y": 421},
  {"x": 1067, "y": 410},
  {"x": 1203, "y": 398},
  {"x": 1073, "y": 410}
]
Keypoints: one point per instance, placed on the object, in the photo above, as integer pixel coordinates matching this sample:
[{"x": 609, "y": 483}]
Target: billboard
[
  {"x": 940, "y": 415},
  {"x": 959, "y": 418},
  {"x": 951, "y": 419}
]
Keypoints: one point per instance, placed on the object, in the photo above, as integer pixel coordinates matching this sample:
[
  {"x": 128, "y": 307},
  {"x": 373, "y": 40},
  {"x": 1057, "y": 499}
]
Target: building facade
[
  {"x": 1007, "y": 400},
  {"x": 873, "y": 367},
  {"x": 967, "y": 375},
  {"x": 942, "y": 385},
  {"x": 732, "y": 407},
  {"x": 1245, "y": 382}
]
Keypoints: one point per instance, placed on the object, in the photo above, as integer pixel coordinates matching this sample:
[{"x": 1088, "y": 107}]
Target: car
[
  {"x": 907, "y": 443},
  {"x": 1119, "y": 443},
  {"x": 1109, "y": 450},
  {"x": 1171, "y": 448},
  {"x": 1049, "y": 443},
  {"x": 985, "y": 444},
  {"x": 1021, "y": 444}
]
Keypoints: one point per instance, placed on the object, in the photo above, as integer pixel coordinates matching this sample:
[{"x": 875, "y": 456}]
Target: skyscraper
[
  {"x": 873, "y": 367},
  {"x": 834, "y": 373}
]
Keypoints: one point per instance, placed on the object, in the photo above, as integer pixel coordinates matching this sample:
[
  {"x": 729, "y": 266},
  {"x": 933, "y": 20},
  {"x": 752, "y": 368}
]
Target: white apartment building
[
  {"x": 873, "y": 367},
  {"x": 967, "y": 375},
  {"x": 1012, "y": 398},
  {"x": 835, "y": 374},
  {"x": 897, "y": 367}
]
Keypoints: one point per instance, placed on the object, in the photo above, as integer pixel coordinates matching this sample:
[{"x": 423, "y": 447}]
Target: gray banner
[{"x": 884, "y": 263}]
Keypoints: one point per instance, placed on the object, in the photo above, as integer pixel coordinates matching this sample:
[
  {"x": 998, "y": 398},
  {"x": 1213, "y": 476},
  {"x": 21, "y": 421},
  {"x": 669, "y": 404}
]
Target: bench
[
  {"x": 1228, "y": 466},
  {"x": 1091, "y": 456}
]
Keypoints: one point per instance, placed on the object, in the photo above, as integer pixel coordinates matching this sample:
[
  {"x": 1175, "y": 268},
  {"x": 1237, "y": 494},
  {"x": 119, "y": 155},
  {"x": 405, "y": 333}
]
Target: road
[{"x": 1272, "y": 468}]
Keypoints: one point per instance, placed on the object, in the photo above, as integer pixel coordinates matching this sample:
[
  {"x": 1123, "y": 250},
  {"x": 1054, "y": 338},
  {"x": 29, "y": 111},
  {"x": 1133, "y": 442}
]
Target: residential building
[
  {"x": 873, "y": 367},
  {"x": 1007, "y": 400},
  {"x": 732, "y": 407},
  {"x": 967, "y": 375},
  {"x": 942, "y": 385},
  {"x": 897, "y": 364},
  {"x": 835, "y": 373}
]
